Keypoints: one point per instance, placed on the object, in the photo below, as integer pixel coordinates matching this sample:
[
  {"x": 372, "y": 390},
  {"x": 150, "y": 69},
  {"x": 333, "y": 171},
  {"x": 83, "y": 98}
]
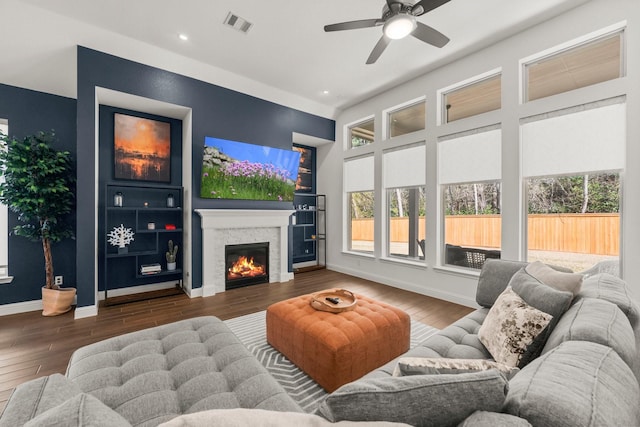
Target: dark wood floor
[{"x": 32, "y": 346}]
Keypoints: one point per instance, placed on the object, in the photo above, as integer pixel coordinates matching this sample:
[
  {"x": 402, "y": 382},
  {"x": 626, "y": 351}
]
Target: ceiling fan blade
[
  {"x": 378, "y": 49},
  {"x": 353, "y": 25},
  {"x": 430, "y": 35},
  {"x": 427, "y": 6}
]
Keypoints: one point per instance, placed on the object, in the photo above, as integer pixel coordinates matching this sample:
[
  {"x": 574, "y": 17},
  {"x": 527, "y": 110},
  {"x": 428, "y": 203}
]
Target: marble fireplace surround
[{"x": 222, "y": 227}]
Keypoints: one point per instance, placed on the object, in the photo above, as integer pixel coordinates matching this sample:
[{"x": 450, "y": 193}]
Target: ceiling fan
[{"x": 398, "y": 21}]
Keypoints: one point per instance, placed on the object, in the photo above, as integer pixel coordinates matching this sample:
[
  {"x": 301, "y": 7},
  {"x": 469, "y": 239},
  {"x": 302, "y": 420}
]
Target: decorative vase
[
  {"x": 171, "y": 266},
  {"x": 123, "y": 250},
  {"x": 57, "y": 301}
]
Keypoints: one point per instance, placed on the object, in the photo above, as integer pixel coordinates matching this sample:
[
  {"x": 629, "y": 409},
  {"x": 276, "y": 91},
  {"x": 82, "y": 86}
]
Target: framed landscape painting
[{"x": 142, "y": 149}]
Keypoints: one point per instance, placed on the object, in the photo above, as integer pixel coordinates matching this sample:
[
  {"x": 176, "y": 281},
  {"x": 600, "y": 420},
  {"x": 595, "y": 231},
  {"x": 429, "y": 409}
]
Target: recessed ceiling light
[
  {"x": 183, "y": 37},
  {"x": 325, "y": 92}
]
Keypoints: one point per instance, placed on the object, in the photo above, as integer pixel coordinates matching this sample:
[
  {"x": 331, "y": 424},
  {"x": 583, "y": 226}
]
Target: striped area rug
[{"x": 251, "y": 330}]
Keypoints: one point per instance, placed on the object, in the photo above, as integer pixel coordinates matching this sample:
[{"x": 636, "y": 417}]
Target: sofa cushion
[
  {"x": 495, "y": 276},
  {"x": 457, "y": 341},
  {"x": 578, "y": 383},
  {"x": 493, "y": 419},
  {"x": 156, "y": 374},
  {"x": 599, "y": 321},
  {"x": 440, "y": 365},
  {"x": 615, "y": 290},
  {"x": 568, "y": 282},
  {"x": 544, "y": 298},
  {"x": 510, "y": 327},
  {"x": 419, "y": 400},
  {"x": 34, "y": 397},
  {"x": 261, "y": 418},
  {"x": 81, "y": 410}
]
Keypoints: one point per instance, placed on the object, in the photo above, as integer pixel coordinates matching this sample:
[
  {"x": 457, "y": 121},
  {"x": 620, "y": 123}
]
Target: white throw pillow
[
  {"x": 443, "y": 365},
  {"x": 241, "y": 417},
  {"x": 569, "y": 282}
]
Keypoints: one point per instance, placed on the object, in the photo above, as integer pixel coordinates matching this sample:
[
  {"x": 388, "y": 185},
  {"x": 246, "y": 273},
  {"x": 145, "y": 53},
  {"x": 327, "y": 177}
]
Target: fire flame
[{"x": 244, "y": 267}]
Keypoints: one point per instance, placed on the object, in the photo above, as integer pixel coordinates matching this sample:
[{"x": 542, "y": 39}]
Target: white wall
[{"x": 453, "y": 285}]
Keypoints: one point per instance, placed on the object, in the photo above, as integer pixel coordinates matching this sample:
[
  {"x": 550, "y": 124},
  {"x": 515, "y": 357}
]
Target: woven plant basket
[{"x": 57, "y": 301}]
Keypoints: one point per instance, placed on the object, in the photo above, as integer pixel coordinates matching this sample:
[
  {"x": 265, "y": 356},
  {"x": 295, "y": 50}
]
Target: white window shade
[
  {"x": 471, "y": 158},
  {"x": 358, "y": 174},
  {"x": 585, "y": 141},
  {"x": 405, "y": 168}
]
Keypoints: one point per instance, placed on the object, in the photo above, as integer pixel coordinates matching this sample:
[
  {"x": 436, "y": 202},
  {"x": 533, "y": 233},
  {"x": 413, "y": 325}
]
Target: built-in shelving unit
[
  {"x": 309, "y": 230},
  {"x": 154, "y": 220}
]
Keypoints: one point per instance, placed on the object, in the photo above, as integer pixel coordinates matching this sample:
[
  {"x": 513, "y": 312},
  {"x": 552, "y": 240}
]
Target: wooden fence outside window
[{"x": 579, "y": 233}]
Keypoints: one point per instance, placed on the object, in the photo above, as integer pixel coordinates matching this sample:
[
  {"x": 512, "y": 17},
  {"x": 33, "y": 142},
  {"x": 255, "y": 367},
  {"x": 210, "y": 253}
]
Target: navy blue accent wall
[
  {"x": 29, "y": 112},
  {"x": 216, "y": 111}
]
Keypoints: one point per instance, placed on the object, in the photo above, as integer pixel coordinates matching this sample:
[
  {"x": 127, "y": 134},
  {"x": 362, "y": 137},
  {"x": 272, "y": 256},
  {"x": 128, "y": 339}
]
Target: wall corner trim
[{"x": 86, "y": 311}]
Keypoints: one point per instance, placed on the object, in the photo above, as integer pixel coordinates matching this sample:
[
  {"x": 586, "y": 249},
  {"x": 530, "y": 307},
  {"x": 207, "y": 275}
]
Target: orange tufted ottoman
[{"x": 335, "y": 349}]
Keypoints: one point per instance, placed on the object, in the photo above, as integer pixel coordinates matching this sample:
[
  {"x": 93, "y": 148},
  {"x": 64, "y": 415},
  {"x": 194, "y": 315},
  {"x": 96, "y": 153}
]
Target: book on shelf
[{"x": 150, "y": 268}]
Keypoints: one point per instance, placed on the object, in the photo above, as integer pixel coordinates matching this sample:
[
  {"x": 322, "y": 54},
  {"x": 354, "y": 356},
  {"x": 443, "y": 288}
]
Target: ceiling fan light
[{"x": 399, "y": 26}]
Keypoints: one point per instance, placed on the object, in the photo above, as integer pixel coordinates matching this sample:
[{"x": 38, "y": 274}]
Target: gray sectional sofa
[
  {"x": 196, "y": 372},
  {"x": 586, "y": 375}
]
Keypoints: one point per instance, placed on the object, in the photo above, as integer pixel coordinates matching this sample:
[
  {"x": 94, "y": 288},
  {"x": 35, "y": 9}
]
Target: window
[
  {"x": 358, "y": 188},
  {"x": 406, "y": 226},
  {"x": 571, "y": 161},
  {"x": 361, "y": 134},
  {"x": 407, "y": 120},
  {"x": 472, "y": 225},
  {"x": 581, "y": 65},
  {"x": 574, "y": 221},
  {"x": 472, "y": 99},
  {"x": 4, "y": 224},
  {"x": 361, "y": 226},
  {"x": 404, "y": 173},
  {"x": 470, "y": 168}
]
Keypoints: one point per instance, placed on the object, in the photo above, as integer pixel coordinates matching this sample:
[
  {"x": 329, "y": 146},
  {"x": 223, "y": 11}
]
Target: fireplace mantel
[{"x": 220, "y": 227}]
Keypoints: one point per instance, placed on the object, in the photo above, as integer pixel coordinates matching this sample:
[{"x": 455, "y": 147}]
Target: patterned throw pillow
[
  {"x": 510, "y": 326},
  {"x": 442, "y": 365}
]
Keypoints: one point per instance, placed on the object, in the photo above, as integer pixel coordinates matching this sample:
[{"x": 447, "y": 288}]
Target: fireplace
[
  {"x": 246, "y": 264},
  {"x": 221, "y": 227}
]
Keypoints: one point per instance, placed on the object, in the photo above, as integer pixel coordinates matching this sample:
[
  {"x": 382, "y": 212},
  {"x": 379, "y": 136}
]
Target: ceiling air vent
[{"x": 238, "y": 23}]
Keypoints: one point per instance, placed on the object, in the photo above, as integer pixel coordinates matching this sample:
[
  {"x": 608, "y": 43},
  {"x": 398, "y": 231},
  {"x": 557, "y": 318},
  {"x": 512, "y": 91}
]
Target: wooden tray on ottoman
[{"x": 347, "y": 300}]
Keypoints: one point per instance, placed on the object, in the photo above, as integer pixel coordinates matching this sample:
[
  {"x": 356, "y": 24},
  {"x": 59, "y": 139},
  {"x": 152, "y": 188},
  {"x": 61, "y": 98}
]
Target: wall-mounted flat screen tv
[{"x": 237, "y": 170}]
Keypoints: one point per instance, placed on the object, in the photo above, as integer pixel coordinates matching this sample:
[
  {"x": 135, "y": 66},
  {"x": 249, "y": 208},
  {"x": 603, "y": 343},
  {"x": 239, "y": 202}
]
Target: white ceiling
[{"x": 286, "y": 57}]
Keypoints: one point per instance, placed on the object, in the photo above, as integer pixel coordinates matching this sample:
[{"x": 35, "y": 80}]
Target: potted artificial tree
[{"x": 38, "y": 186}]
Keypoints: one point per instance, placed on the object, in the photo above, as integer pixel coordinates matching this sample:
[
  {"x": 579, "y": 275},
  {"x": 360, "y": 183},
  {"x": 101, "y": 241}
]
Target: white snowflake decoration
[{"x": 120, "y": 236}]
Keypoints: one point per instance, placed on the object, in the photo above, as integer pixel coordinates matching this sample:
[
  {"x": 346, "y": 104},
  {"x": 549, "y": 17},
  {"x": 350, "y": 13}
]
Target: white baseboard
[
  {"x": 20, "y": 307},
  {"x": 195, "y": 293},
  {"x": 285, "y": 277},
  {"x": 137, "y": 289},
  {"x": 305, "y": 264},
  {"x": 435, "y": 293}
]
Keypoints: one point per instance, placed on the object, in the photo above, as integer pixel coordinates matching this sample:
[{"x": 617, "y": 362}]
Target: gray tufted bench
[{"x": 153, "y": 375}]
